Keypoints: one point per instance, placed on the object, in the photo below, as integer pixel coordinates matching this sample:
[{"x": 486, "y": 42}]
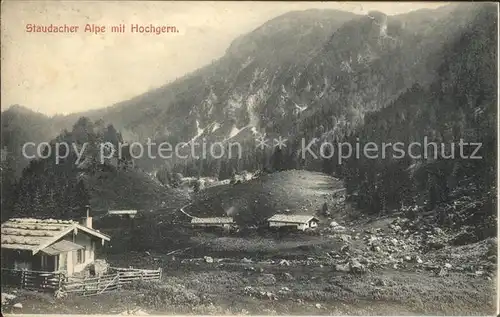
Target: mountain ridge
[{"x": 277, "y": 90}]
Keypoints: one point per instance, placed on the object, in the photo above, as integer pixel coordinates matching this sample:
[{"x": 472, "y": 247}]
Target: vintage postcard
[{"x": 249, "y": 158}]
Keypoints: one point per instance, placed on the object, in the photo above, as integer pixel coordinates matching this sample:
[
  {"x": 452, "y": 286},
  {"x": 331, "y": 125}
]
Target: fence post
[
  {"x": 60, "y": 286},
  {"x": 23, "y": 277},
  {"x": 160, "y": 272},
  {"x": 84, "y": 286}
]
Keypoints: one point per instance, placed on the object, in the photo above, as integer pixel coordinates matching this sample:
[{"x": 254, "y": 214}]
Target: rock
[
  {"x": 288, "y": 276},
  {"x": 6, "y": 297},
  {"x": 284, "y": 290},
  {"x": 270, "y": 295},
  {"x": 345, "y": 237},
  {"x": 375, "y": 248},
  {"x": 339, "y": 228},
  {"x": 447, "y": 265},
  {"x": 18, "y": 305},
  {"x": 334, "y": 224},
  {"x": 285, "y": 262},
  {"x": 342, "y": 268},
  {"x": 356, "y": 267},
  {"x": 363, "y": 260},
  {"x": 442, "y": 272},
  {"x": 381, "y": 282},
  {"x": 208, "y": 259},
  {"x": 318, "y": 306},
  {"x": 437, "y": 230},
  {"x": 407, "y": 258},
  {"x": 372, "y": 240},
  {"x": 267, "y": 279}
]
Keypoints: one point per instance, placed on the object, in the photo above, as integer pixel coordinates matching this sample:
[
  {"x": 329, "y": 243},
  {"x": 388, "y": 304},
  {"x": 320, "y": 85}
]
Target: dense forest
[
  {"x": 459, "y": 104},
  {"x": 62, "y": 189}
]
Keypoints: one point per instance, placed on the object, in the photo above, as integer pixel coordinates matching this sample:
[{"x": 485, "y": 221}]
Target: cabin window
[{"x": 80, "y": 256}]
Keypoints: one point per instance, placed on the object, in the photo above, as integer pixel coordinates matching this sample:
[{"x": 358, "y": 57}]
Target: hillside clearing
[{"x": 290, "y": 192}]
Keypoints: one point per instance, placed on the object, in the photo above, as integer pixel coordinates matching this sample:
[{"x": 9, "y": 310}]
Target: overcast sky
[{"x": 64, "y": 73}]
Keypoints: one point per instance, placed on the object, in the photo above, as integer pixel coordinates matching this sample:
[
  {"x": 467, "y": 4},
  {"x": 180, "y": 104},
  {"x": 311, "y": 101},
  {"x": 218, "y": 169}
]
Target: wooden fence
[
  {"x": 91, "y": 286},
  {"x": 38, "y": 280},
  {"x": 108, "y": 282},
  {"x": 132, "y": 274},
  {"x": 57, "y": 282}
]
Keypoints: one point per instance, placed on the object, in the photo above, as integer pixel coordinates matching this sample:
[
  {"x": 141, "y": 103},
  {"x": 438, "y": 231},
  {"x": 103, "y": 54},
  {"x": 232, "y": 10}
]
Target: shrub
[{"x": 160, "y": 294}]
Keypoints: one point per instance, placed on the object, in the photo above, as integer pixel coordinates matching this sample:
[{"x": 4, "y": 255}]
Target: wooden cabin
[
  {"x": 300, "y": 222},
  {"x": 49, "y": 245},
  {"x": 123, "y": 213},
  {"x": 214, "y": 222}
]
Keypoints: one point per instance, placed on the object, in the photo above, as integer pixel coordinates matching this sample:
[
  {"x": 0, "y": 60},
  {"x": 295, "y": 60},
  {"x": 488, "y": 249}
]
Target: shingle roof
[
  {"x": 292, "y": 218},
  {"x": 122, "y": 212},
  {"x": 213, "y": 220},
  {"x": 61, "y": 246},
  {"x": 35, "y": 234},
  {"x": 29, "y": 234}
]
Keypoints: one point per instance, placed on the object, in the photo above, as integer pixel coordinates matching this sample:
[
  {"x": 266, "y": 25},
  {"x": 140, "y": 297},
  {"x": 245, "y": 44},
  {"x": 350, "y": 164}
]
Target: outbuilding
[
  {"x": 300, "y": 222},
  {"x": 214, "y": 222},
  {"x": 123, "y": 213}
]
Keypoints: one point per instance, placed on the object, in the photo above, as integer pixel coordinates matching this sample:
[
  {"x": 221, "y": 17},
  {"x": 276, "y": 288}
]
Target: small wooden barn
[
  {"x": 300, "y": 222},
  {"x": 49, "y": 245},
  {"x": 213, "y": 222},
  {"x": 123, "y": 213}
]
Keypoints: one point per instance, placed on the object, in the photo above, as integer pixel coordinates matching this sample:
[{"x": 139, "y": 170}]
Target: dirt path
[{"x": 185, "y": 213}]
